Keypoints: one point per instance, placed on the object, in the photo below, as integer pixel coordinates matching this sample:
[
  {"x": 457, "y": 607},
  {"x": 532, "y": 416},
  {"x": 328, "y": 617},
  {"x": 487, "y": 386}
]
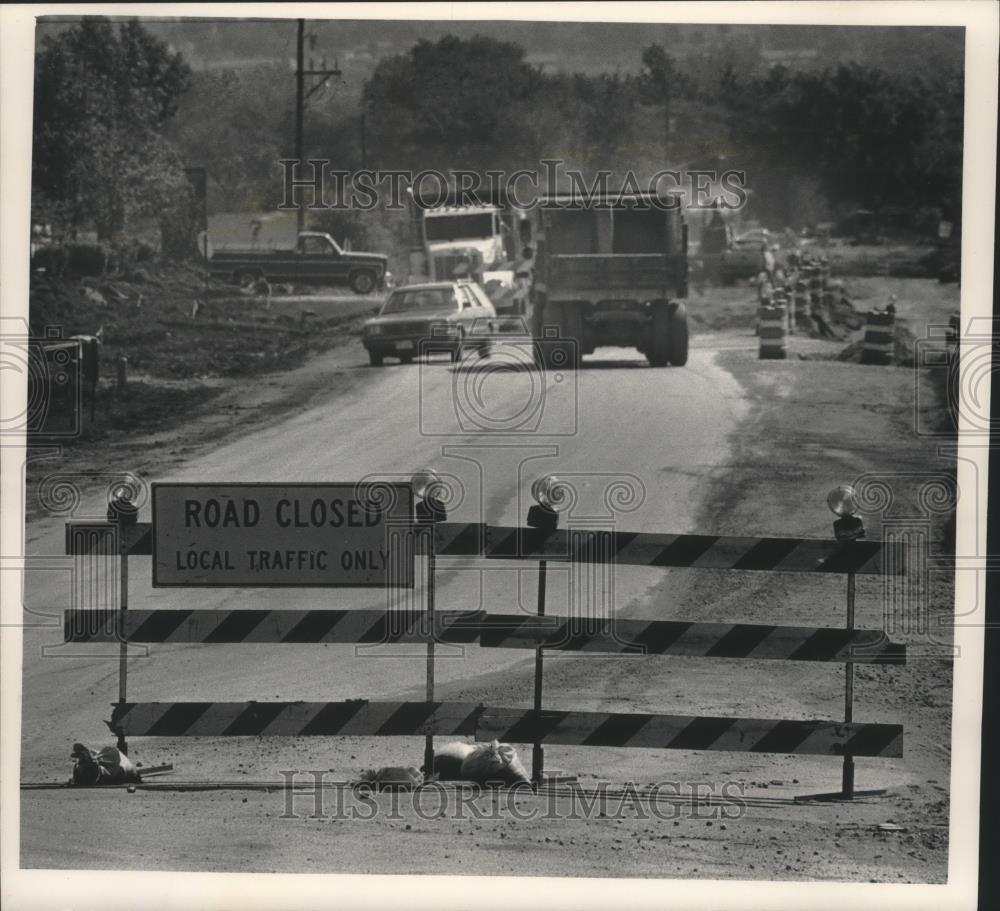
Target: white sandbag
[
  {"x": 106, "y": 766},
  {"x": 448, "y": 760},
  {"x": 493, "y": 763}
]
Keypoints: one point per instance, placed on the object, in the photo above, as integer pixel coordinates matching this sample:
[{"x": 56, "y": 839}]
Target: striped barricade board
[
  {"x": 293, "y": 719},
  {"x": 269, "y": 626},
  {"x": 705, "y": 640},
  {"x": 650, "y": 549},
  {"x": 651, "y": 637},
  {"x": 514, "y": 725},
  {"x": 476, "y": 539}
]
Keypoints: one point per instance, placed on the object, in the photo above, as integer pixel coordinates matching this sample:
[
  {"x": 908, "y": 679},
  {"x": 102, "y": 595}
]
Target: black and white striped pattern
[
  {"x": 704, "y": 640},
  {"x": 267, "y": 626},
  {"x": 652, "y": 637},
  {"x": 772, "y": 331},
  {"x": 475, "y": 539},
  {"x": 512, "y": 725},
  {"x": 647, "y": 549},
  {"x": 293, "y": 719},
  {"x": 879, "y": 342}
]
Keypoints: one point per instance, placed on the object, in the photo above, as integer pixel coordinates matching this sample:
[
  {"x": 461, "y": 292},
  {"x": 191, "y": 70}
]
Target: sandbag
[
  {"x": 493, "y": 763},
  {"x": 448, "y": 760},
  {"x": 102, "y": 767}
]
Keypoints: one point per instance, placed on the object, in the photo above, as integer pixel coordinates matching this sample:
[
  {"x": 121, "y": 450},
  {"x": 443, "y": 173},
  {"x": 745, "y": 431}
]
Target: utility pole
[
  {"x": 301, "y": 97},
  {"x": 299, "y": 105}
]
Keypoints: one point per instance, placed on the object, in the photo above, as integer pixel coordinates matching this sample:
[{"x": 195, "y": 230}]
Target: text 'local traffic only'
[{"x": 283, "y": 535}]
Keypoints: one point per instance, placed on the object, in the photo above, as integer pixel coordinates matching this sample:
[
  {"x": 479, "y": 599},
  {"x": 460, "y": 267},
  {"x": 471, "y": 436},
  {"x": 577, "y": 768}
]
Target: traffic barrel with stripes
[
  {"x": 764, "y": 288},
  {"x": 780, "y": 300},
  {"x": 773, "y": 332},
  {"x": 879, "y": 341},
  {"x": 815, "y": 289},
  {"x": 788, "y": 293},
  {"x": 801, "y": 301}
]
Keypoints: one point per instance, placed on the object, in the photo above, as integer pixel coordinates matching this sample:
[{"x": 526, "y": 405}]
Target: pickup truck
[{"x": 316, "y": 259}]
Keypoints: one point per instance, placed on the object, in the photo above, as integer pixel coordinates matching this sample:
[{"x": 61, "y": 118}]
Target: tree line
[{"x": 118, "y": 116}]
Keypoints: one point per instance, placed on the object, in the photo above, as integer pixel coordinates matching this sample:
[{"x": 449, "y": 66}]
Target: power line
[{"x": 301, "y": 96}]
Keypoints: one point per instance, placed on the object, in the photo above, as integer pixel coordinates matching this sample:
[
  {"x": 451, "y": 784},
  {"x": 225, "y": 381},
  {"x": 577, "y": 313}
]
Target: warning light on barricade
[
  {"x": 121, "y": 509},
  {"x": 843, "y": 502},
  {"x": 550, "y": 496},
  {"x": 428, "y": 492}
]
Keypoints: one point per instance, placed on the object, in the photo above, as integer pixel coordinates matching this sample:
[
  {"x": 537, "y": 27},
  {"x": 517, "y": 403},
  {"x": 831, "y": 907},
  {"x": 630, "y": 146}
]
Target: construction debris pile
[{"x": 171, "y": 321}]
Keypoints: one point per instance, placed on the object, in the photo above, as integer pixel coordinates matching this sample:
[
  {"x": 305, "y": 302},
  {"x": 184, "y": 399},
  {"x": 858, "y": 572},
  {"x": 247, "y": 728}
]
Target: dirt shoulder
[
  {"x": 203, "y": 362},
  {"x": 812, "y": 424}
]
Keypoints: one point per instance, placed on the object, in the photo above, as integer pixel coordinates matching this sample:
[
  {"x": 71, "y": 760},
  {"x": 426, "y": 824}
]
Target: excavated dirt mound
[
  {"x": 171, "y": 321},
  {"x": 903, "y": 353}
]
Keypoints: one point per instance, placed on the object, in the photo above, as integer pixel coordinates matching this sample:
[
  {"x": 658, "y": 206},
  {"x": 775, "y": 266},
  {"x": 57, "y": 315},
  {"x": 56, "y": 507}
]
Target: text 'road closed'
[{"x": 250, "y": 535}]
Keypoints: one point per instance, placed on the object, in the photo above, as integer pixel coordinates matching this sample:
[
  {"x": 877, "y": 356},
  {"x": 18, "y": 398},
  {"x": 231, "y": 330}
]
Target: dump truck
[{"x": 612, "y": 273}]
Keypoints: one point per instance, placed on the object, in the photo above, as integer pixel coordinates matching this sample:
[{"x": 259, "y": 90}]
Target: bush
[
  {"x": 87, "y": 259},
  {"x": 53, "y": 258}
]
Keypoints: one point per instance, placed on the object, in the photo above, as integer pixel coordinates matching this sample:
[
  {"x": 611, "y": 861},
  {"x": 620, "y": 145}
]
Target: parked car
[
  {"x": 753, "y": 239},
  {"x": 431, "y": 317}
]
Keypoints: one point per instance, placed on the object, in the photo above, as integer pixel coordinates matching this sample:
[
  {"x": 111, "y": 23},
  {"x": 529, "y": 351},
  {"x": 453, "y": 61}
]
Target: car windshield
[
  {"x": 420, "y": 299},
  {"x": 459, "y": 227}
]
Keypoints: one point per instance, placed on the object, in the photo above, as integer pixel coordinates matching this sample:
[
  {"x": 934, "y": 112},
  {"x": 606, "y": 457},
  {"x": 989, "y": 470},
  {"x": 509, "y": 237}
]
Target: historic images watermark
[
  {"x": 317, "y": 185},
  {"x": 314, "y": 794}
]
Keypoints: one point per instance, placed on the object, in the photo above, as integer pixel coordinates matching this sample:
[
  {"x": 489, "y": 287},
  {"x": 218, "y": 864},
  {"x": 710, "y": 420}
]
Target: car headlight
[{"x": 373, "y": 330}]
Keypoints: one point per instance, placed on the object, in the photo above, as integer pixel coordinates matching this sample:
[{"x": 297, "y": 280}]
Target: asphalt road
[
  {"x": 727, "y": 444},
  {"x": 490, "y": 429}
]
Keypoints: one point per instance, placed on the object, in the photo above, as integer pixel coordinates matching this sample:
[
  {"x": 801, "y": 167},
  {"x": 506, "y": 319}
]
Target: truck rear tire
[
  {"x": 362, "y": 282},
  {"x": 657, "y": 350},
  {"x": 669, "y": 344},
  {"x": 572, "y": 332},
  {"x": 244, "y": 277},
  {"x": 677, "y": 339},
  {"x": 562, "y": 352}
]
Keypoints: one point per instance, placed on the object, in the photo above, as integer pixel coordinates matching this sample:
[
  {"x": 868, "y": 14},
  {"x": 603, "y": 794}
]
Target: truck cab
[
  {"x": 462, "y": 239},
  {"x": 611, "y": 273}
]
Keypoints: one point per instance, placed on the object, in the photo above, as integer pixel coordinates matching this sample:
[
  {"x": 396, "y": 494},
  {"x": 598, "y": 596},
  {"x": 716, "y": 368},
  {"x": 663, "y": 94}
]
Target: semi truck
[
  {"x": 612, "y": 273},
  {"x": 482, "y": 241}
]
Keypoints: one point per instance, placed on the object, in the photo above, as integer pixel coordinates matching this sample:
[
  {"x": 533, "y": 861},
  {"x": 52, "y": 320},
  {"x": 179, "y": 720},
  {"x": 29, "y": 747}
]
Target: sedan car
[{"x": 431, "y": 317}]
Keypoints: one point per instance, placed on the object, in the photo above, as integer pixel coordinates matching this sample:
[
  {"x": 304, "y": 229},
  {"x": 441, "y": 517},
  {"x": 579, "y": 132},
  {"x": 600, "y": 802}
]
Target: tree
[
  {"x": 661, "y": 81},
  {"x": 873, "y": 139},
  {"x": 102, "y": 98},
  {"x": 450, "y": 103}
]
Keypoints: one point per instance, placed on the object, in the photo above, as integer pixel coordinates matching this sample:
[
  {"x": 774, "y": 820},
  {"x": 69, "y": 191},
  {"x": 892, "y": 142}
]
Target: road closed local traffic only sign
[{"x": 246, "y": 535}]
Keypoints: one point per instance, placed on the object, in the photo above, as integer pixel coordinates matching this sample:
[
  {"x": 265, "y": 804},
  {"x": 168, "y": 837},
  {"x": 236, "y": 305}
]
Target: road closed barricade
[{"x": 417, "y": 528}]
